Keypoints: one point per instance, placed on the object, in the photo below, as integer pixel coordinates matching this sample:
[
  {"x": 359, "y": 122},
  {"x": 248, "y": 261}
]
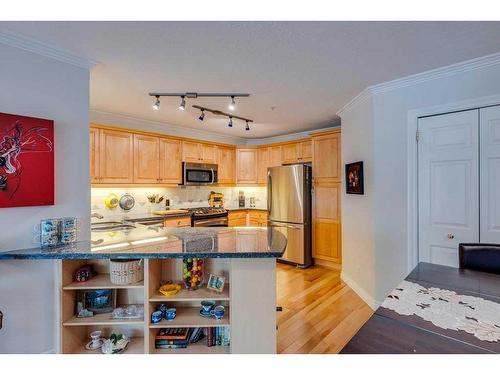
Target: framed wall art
[
  {"x": 26, "y": 161},
  {"x": 354, "y": 178}
]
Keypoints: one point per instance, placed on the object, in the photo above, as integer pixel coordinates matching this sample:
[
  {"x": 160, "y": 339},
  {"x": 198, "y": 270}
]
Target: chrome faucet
[{"x": 96, "y": 215}]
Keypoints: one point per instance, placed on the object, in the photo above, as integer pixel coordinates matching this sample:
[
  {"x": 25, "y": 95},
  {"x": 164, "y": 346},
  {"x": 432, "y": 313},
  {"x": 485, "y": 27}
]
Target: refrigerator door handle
[
  {"x": 269, "y": 193},
  {"x": 289, "y": 226}
]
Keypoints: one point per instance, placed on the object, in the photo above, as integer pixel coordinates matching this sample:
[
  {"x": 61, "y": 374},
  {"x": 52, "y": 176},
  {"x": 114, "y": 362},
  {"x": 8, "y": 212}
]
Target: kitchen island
[{"x": 244, "y": 256}]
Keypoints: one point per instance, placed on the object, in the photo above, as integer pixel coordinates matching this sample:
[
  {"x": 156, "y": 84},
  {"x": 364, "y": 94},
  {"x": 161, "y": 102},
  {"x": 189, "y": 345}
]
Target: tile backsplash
[{"x": 180, "y": 197}]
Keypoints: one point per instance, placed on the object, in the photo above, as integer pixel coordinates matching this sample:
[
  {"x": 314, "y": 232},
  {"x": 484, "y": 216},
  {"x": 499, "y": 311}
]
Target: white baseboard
[{"x": 365, "y": 296}]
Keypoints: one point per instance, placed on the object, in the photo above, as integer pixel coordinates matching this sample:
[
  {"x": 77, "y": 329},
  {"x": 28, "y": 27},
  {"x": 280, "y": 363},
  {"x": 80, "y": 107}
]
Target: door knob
[{"x": 451, "y": 236}]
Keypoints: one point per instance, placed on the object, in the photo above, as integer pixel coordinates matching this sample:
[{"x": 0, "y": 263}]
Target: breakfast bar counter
[{"x": 244, "y": 258}]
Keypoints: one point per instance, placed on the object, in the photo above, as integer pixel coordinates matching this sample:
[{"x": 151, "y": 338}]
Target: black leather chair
[{"x": 479, "y": 257}]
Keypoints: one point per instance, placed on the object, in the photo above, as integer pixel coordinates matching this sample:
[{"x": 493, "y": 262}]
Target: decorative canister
[
  {"x": 68, "y": 229},
  {"x": 192, "y": 272},
  {"x": 49, "y": 232},
  {"x": 125, "y": 271}
]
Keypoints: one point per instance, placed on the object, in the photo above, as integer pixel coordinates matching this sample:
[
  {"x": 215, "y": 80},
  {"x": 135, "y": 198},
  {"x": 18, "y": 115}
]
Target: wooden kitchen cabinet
[
  {"x": 237, "y": 218},
  {"x": 195, "y": 152},
  {"x": 115, "y": 157},
  {"x": 146, "y": 159},
  {"x": 275, "y": 157},
  {"x": 297, "y": 152},
  {"x": 327, "y": 157},
  {"x": 184, "y": 221},
  {"x": 247, "y": 166},
  {"x": 226, "y": 165},
  {"x": 94, "y": 155},
  {"x": 257, "y": 218},
  {"x": 327, "y": 192},
  {"x": 170, "y": 161},
  {"x": 263, "y": 164}
]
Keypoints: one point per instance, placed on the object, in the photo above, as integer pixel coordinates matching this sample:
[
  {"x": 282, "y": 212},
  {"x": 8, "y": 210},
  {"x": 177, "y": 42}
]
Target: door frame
[{"x": 412, "y": 162}]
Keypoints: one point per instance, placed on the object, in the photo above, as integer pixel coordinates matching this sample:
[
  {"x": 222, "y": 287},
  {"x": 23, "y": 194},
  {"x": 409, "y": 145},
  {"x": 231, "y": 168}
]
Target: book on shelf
[
  {"x": 179, "y": 338},
  {"x": 218, "y": 336},
  {"x": 173, "y": 333}
]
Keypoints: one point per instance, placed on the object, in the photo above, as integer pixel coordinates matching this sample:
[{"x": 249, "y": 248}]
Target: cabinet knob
[{"x": 450, "y": 236}]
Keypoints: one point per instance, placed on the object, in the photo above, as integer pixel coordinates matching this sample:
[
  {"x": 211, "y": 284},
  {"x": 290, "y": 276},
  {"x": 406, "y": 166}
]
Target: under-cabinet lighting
[
  {"x": 148, "y": 240},
  {"x": 113, "y": 246}
]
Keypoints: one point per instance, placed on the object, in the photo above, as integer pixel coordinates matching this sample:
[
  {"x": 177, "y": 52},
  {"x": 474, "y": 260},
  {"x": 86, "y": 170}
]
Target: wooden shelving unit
[
  {"x": 100, "y": 281},
  {"x": 190, "y": 317},
  {"x": 192, "y": 295},
  {"x": 75, "y": 331}
]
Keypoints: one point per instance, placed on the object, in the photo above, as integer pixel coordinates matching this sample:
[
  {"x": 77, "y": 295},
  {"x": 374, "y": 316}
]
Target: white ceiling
[{"x": 299, "y": 74}]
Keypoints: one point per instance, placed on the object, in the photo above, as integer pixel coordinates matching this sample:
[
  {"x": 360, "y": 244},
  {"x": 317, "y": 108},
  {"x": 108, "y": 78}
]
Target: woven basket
[{"x": 125, "y": 271}]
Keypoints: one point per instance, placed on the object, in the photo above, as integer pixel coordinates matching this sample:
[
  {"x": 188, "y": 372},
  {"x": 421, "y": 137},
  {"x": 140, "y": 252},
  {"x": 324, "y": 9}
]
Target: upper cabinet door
[
  {"x": 326, "y": 158},
  {"x": 290, "y": 153},
  {"x": 263, "y": 162},
  {"x": 275, "y": 157},
  {"x": 208, "y": 153},
  {"x": 146, "y": 159},
  {"x": 305, "y": 151},
  {"x": 170, "y": 161},
  {"x": 94, "y": 155},
  {"x": 246, "y": 166},
  {"x": 115, "y": 156},
  {"x": 191, "y": 152},
  {"x": 226, "y": 162}
]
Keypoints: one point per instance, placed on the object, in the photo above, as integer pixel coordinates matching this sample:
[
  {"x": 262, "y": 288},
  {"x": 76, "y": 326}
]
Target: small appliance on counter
[
  {"x": 216, "y": 199},
  {"x": 241, "y": 199},
  {"x": 252, "y": 202}
]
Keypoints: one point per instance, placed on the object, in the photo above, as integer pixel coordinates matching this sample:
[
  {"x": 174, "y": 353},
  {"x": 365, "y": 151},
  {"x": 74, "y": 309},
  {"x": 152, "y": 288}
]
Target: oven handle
[{"x": 211, "y": 221}]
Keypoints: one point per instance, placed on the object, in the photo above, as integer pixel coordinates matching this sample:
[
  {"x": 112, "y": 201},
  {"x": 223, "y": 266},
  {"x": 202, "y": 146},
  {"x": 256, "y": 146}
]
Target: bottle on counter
[{"x": 241, "y": 199}]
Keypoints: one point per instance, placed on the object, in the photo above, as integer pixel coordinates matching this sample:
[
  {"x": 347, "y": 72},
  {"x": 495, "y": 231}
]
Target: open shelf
[
  {"x": 135, "y": 346},
  {"x": 193, "y": 295},
  {"x": 190, "y": 317},
  {"x": 100, "y": 281},
  {"x": 100, "y": 319},
  {"x": 199, "y": 347}
]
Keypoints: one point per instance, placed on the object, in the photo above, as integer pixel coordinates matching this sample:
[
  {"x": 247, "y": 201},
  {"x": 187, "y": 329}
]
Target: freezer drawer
[{"x": 298, "y": 248}]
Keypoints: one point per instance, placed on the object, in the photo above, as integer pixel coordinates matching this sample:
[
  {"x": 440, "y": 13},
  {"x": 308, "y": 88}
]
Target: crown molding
[
  {"x": 16, "y": 40},
  {"x": 416, "y": 79}
]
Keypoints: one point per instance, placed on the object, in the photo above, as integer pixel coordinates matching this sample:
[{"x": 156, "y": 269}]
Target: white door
[
  {"x": 490, "y": 174},
  {"x": 448, "y": 185}
]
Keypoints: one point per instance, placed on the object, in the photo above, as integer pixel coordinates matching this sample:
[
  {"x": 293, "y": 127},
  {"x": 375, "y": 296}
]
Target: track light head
[
  {"x": 202, "y": 116},
  {"x": 247, "y": 128},
  {"x": 232, "y": 105},
  {"x": 156, "y": 106},
  {"x": 182, "y": 106},
  {"x": 230, "y": 122}
]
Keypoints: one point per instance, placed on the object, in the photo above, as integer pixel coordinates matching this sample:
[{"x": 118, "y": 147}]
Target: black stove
[{"x": 208, "y": 216}]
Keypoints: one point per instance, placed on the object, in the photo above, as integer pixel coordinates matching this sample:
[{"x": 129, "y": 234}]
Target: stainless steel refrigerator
[{"x": 289, "y": 210}]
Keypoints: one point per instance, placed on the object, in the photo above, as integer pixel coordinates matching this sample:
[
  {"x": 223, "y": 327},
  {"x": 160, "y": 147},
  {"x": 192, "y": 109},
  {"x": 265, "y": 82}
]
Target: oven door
[
  {"x": 211, "y": 222},
  {"x": 199, "y": 174}
]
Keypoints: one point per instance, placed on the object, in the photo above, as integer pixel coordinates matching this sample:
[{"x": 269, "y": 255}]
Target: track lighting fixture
[
  {"x": 232, "y": 105},
  {"x": 182, "y": 106},
  {"x": 220, "y": 113},
  {"x": 156, "y": 106}
]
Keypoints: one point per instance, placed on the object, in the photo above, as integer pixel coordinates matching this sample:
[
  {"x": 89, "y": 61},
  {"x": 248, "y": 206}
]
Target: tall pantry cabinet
[{"x": 327, "y": 188}]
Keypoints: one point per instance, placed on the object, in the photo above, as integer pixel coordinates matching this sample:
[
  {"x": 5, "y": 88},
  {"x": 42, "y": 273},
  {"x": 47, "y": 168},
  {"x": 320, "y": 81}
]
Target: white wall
[
  {"x": 37, "y": 86},
  {"x": 386, "y": 203}
]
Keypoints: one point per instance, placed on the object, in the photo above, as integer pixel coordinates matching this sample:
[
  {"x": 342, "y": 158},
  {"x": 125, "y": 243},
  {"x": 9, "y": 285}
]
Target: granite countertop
[{"x": 147, "y": 242}]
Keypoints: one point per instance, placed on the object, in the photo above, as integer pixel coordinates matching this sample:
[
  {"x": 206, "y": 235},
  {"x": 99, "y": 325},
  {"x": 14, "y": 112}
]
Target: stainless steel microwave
[{"x": 199, "y": 174}]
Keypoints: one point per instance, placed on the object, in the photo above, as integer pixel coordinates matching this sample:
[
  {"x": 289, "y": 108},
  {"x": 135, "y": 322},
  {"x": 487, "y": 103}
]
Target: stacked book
[
  {"x": 218, "y": 336},
  {"x": 179, "y": 338}
]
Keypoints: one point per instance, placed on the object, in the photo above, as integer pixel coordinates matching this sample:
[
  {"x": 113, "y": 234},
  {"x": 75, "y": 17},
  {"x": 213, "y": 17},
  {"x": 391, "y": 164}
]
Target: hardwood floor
[{"x": 320, "y": 312}]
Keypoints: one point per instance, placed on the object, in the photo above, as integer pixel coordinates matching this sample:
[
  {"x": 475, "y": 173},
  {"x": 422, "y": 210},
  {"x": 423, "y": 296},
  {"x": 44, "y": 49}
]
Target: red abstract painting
[{"x": 26, "y": 161}]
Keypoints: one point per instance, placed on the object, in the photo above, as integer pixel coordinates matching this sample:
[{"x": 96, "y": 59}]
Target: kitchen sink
[{"x": 110, "y": 226}]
